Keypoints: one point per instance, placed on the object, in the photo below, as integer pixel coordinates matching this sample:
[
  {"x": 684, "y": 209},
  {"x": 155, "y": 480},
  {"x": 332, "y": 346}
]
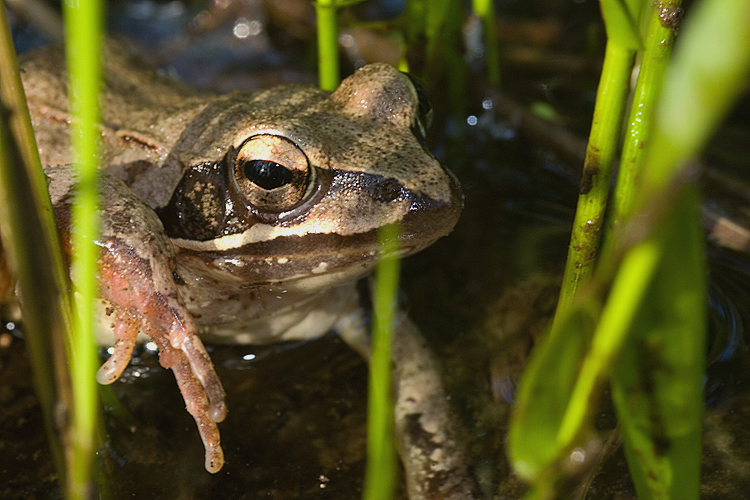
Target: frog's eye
[
  {"x": 424, "y": 106},
  {"x": 273, "y": 173}
]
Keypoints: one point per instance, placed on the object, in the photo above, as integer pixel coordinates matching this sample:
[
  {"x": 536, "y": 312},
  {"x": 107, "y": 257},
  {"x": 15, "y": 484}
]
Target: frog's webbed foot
[{"x": 136, "y": 262}]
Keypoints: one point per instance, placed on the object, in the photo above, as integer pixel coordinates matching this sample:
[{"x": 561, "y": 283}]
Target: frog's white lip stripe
[{"x": 261, "y": 233}]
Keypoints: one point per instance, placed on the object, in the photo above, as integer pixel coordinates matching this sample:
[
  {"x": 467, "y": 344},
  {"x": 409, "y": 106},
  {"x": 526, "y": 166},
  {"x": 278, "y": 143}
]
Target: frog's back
[
  {"x": 140, "y": 110},
  {"x": 151, "y": 123}
]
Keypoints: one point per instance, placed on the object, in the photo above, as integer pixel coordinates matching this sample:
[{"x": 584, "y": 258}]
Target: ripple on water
[{"x": 729, "y": 315}]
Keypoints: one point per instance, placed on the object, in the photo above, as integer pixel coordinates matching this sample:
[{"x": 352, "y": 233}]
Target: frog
[{"x": 251, "y": 217}]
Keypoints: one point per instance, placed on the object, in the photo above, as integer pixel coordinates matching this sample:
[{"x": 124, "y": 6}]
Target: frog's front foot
[
  {"x": 136, "y": 263},
  {"x": 137, "y": 304}
]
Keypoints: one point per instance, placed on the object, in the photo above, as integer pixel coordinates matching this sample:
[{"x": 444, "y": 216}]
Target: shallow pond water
[{"x": 296, "y": 427}]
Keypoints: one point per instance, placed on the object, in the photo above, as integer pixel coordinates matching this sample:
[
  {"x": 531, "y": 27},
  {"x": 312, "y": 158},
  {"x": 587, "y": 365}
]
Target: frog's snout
[{"x": 429, "y": 219}]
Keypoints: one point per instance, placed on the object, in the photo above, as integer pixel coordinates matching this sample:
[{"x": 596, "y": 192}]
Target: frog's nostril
[{"x": 385, "y": 190}]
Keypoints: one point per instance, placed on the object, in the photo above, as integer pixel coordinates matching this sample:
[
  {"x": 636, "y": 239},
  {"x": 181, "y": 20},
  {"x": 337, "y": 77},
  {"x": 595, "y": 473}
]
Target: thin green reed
[
  {"x": 34, "y": 256},
  {"x": 380, "y": 477},
  {"x": 83, "y": 50},
  {"x": 485, "y": 10},
  {"x": 658, "y": 42},
  {"x": 328, "y": 49},
  {"x": 623, "y": 39}
]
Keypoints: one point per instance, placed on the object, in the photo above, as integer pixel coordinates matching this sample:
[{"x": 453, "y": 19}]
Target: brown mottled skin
[{"x": 248, "y": 217}]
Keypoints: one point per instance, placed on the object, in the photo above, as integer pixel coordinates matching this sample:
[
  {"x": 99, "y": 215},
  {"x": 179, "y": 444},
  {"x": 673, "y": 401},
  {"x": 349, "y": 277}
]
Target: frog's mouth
[{"x": 291, "y": 258}]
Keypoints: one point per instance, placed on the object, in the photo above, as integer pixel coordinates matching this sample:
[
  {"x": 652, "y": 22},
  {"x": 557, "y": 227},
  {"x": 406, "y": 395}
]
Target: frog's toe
[
  {"x": 196, "y": 400},
  {"x": 114, "y": 366},
  {"x": 183, "y": 336},
  {"x": 214, "y": 459},
  {"x": 203, "y": 369},
  {"x": 126, "y": 332}
]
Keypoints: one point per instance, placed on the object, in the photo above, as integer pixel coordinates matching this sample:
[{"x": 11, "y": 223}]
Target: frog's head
[{"x": 309, "y": 177}]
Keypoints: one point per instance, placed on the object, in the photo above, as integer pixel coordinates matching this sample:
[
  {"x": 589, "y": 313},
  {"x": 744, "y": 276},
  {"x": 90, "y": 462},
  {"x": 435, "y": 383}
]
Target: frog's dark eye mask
[{"x": 268, "y": 179}]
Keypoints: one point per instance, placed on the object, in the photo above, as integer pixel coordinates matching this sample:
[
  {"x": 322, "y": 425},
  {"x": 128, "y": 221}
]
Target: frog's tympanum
[{"x": 248, "y": 218}]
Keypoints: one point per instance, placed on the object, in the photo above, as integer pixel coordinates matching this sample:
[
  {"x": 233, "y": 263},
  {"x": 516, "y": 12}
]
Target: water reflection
[{"x": 729, "y": 303}]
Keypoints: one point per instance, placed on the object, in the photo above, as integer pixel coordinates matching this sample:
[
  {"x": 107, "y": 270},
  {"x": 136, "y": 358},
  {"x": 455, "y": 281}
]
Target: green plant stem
[
  {"x": 380, "y": 477},
  {"x": 597, "y": 171},
  {"x": 621, "y": 20},
  {"x": 625, "y": 298},
  {"x": 710, "y": 69},
  {"x": 328, "y": 52},
  {"x": 83, "y": 50},
  {"x": 485, "y": 9},
  {"x": 650, "y": 338},
  {"x": 31, "y": 244},
  {"x": 654, "y": 61}
]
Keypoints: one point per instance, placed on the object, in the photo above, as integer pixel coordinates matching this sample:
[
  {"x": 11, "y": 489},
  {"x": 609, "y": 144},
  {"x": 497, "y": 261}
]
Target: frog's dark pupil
[{"x": 267, "y": 174}]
